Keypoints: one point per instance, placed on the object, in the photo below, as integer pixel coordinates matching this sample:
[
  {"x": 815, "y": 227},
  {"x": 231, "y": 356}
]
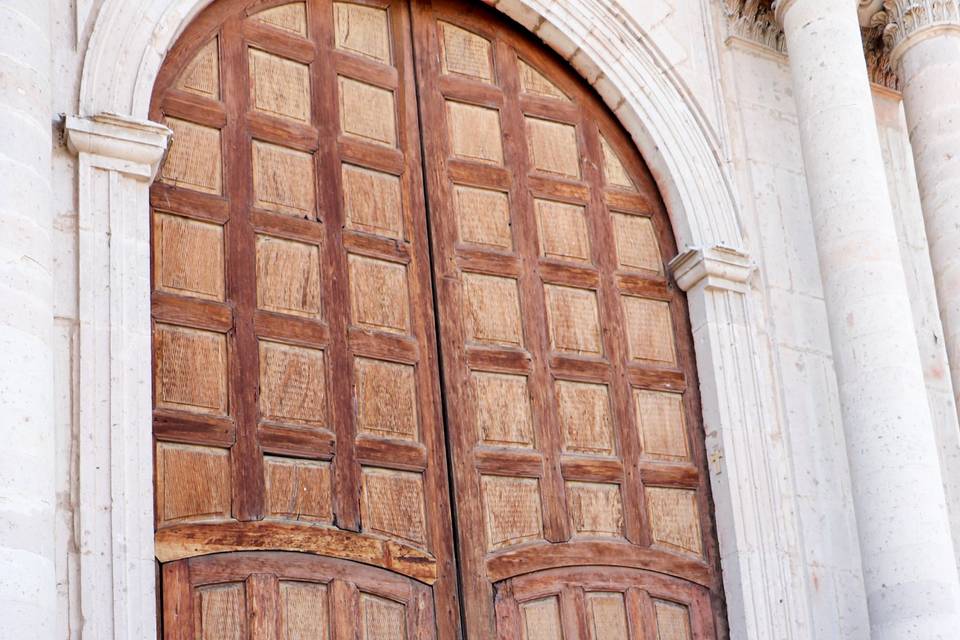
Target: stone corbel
[
  {"x": 118, "y": 157},
  {"x": 715, "y": 267},
  {"x": 132, "y": 146}
]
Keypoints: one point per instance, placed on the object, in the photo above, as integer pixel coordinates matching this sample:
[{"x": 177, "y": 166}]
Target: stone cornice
[
  {"x": 716, "y": 267},
  {"x": 139, "y": 145},
  {"x": 908, "y": 21}
]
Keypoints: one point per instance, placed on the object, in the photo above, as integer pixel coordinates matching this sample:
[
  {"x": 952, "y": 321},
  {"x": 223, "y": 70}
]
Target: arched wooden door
[{"x": 389, "y": 234}]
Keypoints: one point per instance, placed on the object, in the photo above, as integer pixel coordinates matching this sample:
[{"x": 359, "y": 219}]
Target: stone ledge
[
  {"x": 720, "y": 267},
  {"x": 140, "y": 142}
]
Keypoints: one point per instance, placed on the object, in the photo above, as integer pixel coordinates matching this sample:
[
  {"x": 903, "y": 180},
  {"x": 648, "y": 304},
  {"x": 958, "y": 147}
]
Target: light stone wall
[
  {"x": 767, "y": 164},
  {"x": 70, "y": 40},
  {"x": 744, "y": 94},
  {"x": 27, "y": 345}
]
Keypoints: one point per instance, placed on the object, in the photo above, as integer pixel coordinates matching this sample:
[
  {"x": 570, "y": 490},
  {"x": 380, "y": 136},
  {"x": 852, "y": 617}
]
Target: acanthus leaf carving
[
  {"x": 905, "y": 17},
  {"x": 754, "y": 20}
]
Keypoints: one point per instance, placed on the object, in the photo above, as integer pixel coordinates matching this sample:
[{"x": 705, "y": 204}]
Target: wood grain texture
[
  {"x": 636, "y": 242},
  {"x": 553, "y": 147},
  {"x": 513, "y": 510},
  {"x": 483, "y": 217},
  {"x": 188, "y": 259},
  {"x": 293, "y": 384},
  {"x": 190, "y": 370},
  {"x": 586, "y": 417},
  {"x": 662, "y": 427},
  {"x": 673, "y": 621},
  {"x": 279, "y": 86},
  {"x": 673, "y": 518},
  {"x": 607, "y": 616},
  {"x": 304, "y": 611},
  {"x": 295, "y": 362},
  {"x": 386, "y": 399},
  {"x": 392, "y": 504},
  {"x": 283, "y": 179},
  {"x": 193, "y": 483},
  {"x": 202, "y": 74},
  {"x": 372, "y": 201},
  {"x": 289, "y": 17},
  {"x": 194, "y": 160},
  {"x": 199, "y": 540},
  {"x": 475, "y": 132},
  {"x": 562, "y": 230},
  {"x": 503, "y": 413},
  {"x": 379, "y": 297},
  {"x": 363, "y": 30},
  {"x": 541, "y": 620},
  {"x": 288, "y": 276},
  {"x": 290, "y": 253},
  {"x": 367, "y": 112},
  {"x": 563, "y": 293},
  {"x": 298, "y": 489},
  {"x": 532, "y": 81},
  {"x": 595, "y": 509},
  {"x": 381, "y": 619},
  {"x": 288, "y": 596},
  {"x": 465, "y": 53}
]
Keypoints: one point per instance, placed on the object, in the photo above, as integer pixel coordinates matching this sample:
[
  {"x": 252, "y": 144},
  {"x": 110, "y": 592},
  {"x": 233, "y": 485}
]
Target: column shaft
[
  {"x": 27, "y": 457},
  {"x": 929, "y": 70},
  {"x": 906, "y": 549}
]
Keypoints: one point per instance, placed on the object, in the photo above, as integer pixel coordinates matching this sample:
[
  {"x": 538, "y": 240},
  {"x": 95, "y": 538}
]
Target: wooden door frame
[{"x": 119, "y": 151}]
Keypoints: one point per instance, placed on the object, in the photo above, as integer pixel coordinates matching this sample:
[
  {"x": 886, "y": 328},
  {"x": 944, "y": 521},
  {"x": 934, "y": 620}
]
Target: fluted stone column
[
  {"x": 906, "y": 549},
  {"x": 27, "y": 578},
  {"x": 925, "y": 35}
]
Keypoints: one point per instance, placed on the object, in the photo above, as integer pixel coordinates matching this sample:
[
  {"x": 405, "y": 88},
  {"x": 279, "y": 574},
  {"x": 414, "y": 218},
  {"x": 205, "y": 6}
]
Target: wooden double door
[{"x": 419, "y": 370}]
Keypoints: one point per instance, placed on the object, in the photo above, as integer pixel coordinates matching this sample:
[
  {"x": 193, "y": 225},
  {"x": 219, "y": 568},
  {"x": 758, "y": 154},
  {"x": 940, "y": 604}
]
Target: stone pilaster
[
  {"x": 118, "y": 158},
  {"x": 27, "y": 454},
  {"x": 755, "y": 515},
  {"x": 906, "y": 548}
]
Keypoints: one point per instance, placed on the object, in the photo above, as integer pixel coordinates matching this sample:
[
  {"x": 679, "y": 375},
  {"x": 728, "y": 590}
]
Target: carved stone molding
[
  {"x": 716, "y": 267},
  {"x": 876, "y": 48},
  {"x": 754, "y": 20},
  {"x": 904, "y": 18}
]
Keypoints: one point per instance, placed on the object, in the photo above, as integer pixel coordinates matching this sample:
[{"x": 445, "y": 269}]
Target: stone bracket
[
  {"x": 716, "y": 267},
  {"x": 136, "y": 146}
]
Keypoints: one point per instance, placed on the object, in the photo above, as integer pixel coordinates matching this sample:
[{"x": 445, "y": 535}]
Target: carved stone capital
[
  {"x": 908, "y": 21},
  {"x": 138, "y": 146},
  {"x": 754, "y": 20},
  {"x": 867, "y": 9},
  {"x": 716, "y": 267},
  {"x": 759, "y": 21}
]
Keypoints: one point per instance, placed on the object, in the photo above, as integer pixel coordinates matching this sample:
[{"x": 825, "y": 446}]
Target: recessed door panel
[
  {"x": 297, "y": 401},
  {"x": 374, "y": 215},
  {"x": 569, "y": 305}
]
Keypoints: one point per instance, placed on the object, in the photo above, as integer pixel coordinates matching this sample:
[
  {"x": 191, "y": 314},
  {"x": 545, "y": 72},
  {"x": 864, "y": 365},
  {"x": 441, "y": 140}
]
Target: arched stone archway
[{"x": 119, "y": 152}]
